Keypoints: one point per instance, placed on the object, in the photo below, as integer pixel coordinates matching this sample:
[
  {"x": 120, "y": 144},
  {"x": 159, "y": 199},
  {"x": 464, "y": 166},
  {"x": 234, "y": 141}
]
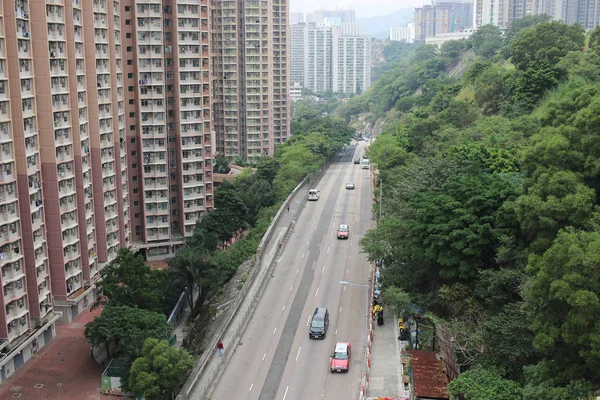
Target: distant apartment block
[
  {"x": 319, "y": 16},
  {"x": 442, "y": 17},
  {"x": 351, "y": 59},
  {"x": 403, "y": 34},
  {"x": 250, "y": 76},
  {"x": 295, "y": 91}
]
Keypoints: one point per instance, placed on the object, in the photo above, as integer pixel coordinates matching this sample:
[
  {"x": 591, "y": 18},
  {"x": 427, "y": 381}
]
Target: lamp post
[{"x": 366, "y": 287}]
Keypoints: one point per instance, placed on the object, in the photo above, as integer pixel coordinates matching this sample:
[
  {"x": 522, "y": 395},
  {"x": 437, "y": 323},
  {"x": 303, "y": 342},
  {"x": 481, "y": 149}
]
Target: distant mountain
[{"x": 379, "y": 26}]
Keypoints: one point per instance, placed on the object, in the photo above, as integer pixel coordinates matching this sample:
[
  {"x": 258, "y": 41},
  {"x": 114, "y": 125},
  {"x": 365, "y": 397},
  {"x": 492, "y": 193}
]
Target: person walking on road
[
  {"x": 288, "y": 207},
  {"x": 220, "y": 348}
]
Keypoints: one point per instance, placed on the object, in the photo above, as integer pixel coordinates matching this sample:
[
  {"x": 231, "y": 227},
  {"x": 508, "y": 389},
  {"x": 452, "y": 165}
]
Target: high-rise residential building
[
  {"x": 351, "y": 60},
  {"x": 403, "y": 33},
  {"x": 250, "y": 76},
  {"x": 169, "y": 127},
  {"x": 297, "y": 48},
  {"x": 492, "y": 12},
  {"x": 64, "y": 208},
  {"x": 442, "y": 17}
]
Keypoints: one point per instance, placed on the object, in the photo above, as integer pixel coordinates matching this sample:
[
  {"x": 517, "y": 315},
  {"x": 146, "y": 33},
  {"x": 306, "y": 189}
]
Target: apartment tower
[
  {"x": 250, "y": 76},
  {"x": 64, "y": 209},
  {"x": 169, "y": 134}
]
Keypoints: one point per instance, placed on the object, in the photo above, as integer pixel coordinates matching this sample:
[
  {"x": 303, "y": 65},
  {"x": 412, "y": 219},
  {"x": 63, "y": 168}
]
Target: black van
[{"x": 319, "y": 324}]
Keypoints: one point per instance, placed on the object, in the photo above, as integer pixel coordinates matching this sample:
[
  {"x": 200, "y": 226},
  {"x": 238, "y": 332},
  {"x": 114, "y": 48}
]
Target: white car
[{"x": 313, "y": 194}]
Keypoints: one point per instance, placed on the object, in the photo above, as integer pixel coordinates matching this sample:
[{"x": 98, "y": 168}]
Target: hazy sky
[{"x": 364, "y": 8}]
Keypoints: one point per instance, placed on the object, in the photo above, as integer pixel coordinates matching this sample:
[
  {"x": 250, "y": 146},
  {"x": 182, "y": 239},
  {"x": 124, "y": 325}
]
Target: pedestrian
[
  {"x": 288, "y": 207},
  {"x": 220, "y": 348}
]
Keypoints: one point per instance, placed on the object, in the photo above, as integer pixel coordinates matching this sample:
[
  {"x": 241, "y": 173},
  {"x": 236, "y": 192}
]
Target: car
[
  {"x": 340, "y": 359},
  {"x": 357, "y": 160},
  {"x": 319, "y": 324},
  {"x": 350, "y": 185},
  {"x": 313, "y": 194},
  {"x": 343, "y": 232}
]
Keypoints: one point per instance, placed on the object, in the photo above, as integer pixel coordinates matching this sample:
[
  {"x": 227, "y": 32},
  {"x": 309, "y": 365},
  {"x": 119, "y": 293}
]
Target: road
[{"x": 275, "y": 358}]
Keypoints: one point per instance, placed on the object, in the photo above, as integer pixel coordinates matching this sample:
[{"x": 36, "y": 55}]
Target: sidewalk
[
  {"x": 63, "y": 369},
  {"x": 386, "y": 368},
  {"x": 215, "y": 365}
]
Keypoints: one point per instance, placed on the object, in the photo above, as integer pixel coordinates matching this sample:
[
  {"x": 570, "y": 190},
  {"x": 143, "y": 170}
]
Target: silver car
[{"x": 350, "y": 186}]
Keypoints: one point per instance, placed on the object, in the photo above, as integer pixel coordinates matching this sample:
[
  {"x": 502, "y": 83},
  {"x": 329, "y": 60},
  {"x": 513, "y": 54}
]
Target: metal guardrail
[{"x": 248, "y": 311}]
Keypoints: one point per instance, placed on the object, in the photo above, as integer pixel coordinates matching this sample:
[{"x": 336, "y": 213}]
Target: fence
[
  {"x": 179, "y": 309},
  {"x": 210, "y": 381}
]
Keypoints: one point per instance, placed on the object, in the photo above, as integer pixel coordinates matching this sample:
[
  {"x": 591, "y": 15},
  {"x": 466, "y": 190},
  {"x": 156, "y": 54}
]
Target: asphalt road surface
[{"x": 275, "y": 358}]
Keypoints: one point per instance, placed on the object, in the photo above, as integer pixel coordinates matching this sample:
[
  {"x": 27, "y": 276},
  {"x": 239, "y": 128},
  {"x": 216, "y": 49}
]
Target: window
[
  {"x": 136, "y": 190},
  {"x": 171, "y": 164},
  {"x": 131, "y": 101},
  {"x": 130, "y": 88},
  {"x": 134, "y": 178},
  {"x": 134, "y": 166},
  {"x": 173, "y": 200},
  {"x": 167, "y": 22},
  {"x": 132, "y": 115},
  {"x": 127, "y": 8},
  {"x": 132, "y": 127},
  {"x": 134, "y": 153},
  {"x": 127, "y": 22},
  {"x": 136, "y": 215},
  {"x": 167, "y": 35},
  {"x": 169, "y": 62},
  {"x": 167, "y": 9},
  {"x": 129, "y": 62},
  {"x": 128, "y": 36},
  {"x": 130, "y": 75},
  {"x": 138, "y": 230},
  {"x": 136, "y": 203},
  {"x": 132, "y": 140},
  {"x": 169, "y": 75},
  {"x": 129, "y": 49}
]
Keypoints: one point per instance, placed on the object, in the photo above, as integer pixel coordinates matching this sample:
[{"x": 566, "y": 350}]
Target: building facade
[
  {"x": 169, "y": 124},
  {"x": 403, "y": 34},
  {"x": 442, "y": 17},
  {"x": 317, "y": 61},
  {"x": 250, "y": 76},
  {"x": 351, "y": 60}
]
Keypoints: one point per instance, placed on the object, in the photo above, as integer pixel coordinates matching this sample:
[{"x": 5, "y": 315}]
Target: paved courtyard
[{"x": 62, "y": 370}]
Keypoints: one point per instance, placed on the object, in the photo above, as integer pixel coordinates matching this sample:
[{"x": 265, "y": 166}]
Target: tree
[
  {"x": 484, "y": 384},
  {"x": 545, "y": 42},
  {"x": 160, "y": 371},
  {"x": 221, "y": 166},
  {"x": 487, "y": 40},
  {"x": 555, "y": 201},
  {"x": 492, "y": 89},
  {"x": 563, "y": 296},
  {"x": 128, "y": 281},
  {"x": 228, "y": 216},
  {"x": 128, "y": 328}
]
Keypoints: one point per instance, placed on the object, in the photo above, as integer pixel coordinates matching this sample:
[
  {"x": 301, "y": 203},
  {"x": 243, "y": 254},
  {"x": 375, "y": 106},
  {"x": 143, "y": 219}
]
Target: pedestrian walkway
[
  {"x": 386, "y": 369},
  {"x": 63, "y": 369},
  {"x": 230, "y": 337}
]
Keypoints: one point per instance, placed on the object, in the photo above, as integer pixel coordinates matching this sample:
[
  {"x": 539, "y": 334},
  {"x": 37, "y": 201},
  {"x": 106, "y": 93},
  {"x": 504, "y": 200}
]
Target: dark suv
[
  {"x": 319, "y": 324},
  {"x": 356, "y": 160}
]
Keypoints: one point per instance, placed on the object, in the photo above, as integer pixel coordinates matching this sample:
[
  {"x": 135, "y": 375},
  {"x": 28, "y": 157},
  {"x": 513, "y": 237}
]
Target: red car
[
  {"x": 340, "y": 360},
  {"x": 343, "y": 231}
]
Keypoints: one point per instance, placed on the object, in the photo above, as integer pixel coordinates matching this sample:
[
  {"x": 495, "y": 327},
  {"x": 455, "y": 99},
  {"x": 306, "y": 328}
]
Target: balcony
[{"x": 66, "y": 188}]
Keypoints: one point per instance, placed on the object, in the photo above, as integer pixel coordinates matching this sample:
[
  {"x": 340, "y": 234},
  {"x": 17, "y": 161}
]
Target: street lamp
[{"x": 366, "y": 287}]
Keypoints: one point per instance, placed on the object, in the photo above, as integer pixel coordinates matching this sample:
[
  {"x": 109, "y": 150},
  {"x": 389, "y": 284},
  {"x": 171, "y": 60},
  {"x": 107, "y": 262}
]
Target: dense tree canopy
[{"x": 491, "y": 207}]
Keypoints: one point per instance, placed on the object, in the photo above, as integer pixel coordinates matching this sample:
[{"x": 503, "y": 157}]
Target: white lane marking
[
  {"x": 308, "y": 321},
  {"x": 328, "y": 250},
  {"x": 291, "y": 287},
  {"x": 264, "y": 356},
  {"x": 285, "y": 394},
  {"x": 335, "y": 332},
  {"x": 350, "y": 243},
  {"x": 344, "y": 287},
  {"x": 298, "y": 270},
  {"x": 331, "y": 234},
  {"x": 323, "y": 269},
  {"x": 298, "y": 355},
  {"x": 251, "y": 386},
  {"x": 315, "y": 222},
  {"x": 303, "y": 255},
  {"x": 274, "y": 330},
  {"x": 350, "y": 256},
  {"x": 340, "y": 309},
  {"x": 283, "y": 309},
  {"x": 317, "y": 292},
  {"x": 307, "y": 243}
]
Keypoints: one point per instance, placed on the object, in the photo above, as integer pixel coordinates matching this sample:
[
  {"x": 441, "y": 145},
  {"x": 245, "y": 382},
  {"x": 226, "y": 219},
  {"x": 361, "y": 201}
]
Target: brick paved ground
[{"x": 63, "y": 367}]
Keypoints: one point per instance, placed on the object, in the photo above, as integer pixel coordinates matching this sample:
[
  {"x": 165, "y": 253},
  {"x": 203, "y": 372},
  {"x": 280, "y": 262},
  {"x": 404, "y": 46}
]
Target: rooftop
[{"x": 429, "y": 378}]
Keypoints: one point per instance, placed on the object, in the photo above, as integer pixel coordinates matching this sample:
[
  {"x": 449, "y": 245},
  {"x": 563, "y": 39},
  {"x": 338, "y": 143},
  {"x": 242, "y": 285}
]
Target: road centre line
[
  {"x": 317, "y": 292},
  {"x": 328, "y": 250},
  {"x": 285, "y": 394},
  {"x": 251, "y": 386},
  {"x": 264, "y": 356},
  {"x": 340, "y": 309},
  {"x": 298, "y": 355},
  {"x": 283, "y": 309},
  {"x": 323, "y": 271},
  {"x": 274, "y": 330},
  {"x": 291, "y": 287}
]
